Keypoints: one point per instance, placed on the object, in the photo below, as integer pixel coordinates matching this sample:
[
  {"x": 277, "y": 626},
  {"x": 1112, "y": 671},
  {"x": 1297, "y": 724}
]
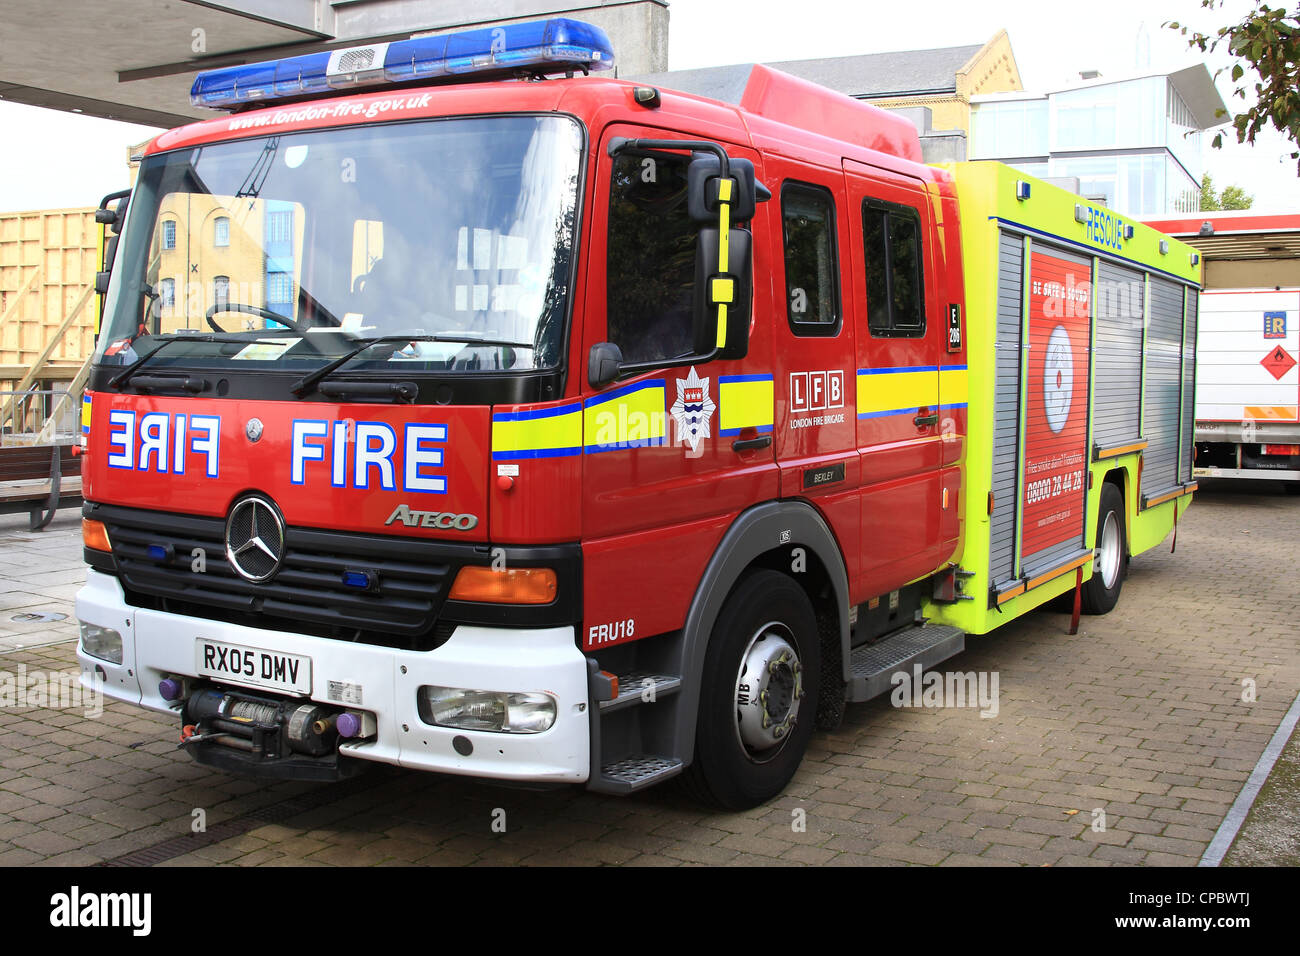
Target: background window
[
  {"x": 167, "y": 293},
  {"x": 892, "y": 245},
  {"x": 221, "y": 230},
  {"x": 811, "y": 266},
  {"x": 279, "y": 293},
  {"x": 650, "y": 290},
  {"x": 169, "y": 234},
  {"x": 221, "y": 290},
  {"x": 279, "y": 227}
]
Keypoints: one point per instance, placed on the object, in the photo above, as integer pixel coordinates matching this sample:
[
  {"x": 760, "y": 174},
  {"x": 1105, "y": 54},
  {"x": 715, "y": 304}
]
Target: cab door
[
  {"x": 669, "y": 456},
  {"x": 899, "y": 350},
  {"x": 816, "y": 434}
]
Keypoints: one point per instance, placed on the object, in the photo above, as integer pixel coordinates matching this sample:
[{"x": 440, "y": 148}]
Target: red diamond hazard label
[{"x": 1278, "y": 362}]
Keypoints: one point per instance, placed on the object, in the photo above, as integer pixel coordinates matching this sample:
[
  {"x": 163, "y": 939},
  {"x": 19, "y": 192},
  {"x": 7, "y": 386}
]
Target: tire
[
  {"x": 765, "y": 640},
  {"x": 1101, "y": 591}
]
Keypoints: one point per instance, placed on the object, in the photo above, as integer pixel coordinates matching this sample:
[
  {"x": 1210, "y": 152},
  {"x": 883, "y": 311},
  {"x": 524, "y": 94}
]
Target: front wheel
[
  {"x": 758, "y": 702},
  {"x": 1101, "y": 591}
]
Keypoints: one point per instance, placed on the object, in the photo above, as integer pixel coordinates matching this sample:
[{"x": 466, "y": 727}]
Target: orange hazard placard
[
  {"x": 1056, "y": 434},
  {"x": 1278, "y": 362}
]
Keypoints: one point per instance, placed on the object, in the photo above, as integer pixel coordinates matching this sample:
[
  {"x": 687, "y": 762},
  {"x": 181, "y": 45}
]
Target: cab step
[
  {"x": 872, "y": 665},
  {"x": 636, "y": 772},
  {"x": 638, "y": 687}
]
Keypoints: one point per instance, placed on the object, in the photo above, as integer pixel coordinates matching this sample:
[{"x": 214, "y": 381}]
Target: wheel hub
[
  {"x": 769, "y": 688},
  {"x": 1108, "y": 553}
]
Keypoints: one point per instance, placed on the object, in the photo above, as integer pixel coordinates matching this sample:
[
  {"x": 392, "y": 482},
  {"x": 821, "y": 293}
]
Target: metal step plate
[
  {"x": 637, "y": 772},
  {"x": 639, "y": 686},
  {"x": 872, "y": 665}
]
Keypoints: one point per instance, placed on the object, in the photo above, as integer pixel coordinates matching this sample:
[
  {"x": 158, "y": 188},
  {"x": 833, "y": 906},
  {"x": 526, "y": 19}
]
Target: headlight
[
  {"x": 102, "y": 642},
  {"x": 496, "y": 711}
]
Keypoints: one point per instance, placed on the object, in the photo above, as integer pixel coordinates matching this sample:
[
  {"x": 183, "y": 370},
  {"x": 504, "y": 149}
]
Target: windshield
[{"x": 297, "y": 248}]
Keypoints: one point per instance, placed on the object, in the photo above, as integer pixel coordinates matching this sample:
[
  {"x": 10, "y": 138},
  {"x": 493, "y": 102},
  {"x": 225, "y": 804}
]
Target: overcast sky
[{"x": 55, "y": 160}]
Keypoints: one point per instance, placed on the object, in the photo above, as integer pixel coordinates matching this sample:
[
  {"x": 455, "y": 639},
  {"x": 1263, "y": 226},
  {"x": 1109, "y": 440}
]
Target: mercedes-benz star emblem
[
  {"x": 253, "y": 429},
  {"x": 254, "y": 538}
]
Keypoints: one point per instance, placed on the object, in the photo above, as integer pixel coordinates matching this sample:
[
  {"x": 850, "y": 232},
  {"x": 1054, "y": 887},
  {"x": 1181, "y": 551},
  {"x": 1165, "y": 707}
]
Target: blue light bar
[{"x": 542, "y": 46}]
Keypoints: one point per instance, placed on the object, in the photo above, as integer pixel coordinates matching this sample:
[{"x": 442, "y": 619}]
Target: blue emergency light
[{"x": 543, "y": 46}]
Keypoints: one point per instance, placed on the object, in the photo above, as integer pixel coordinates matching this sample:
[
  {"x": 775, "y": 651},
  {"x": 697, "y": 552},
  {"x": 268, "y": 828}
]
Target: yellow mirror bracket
[{"x": 722, "y": 290}]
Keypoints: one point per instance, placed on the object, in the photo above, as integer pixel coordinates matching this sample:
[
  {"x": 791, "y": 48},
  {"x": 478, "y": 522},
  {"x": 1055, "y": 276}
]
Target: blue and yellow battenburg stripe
[
  {"x": 745, "y": 401},
  {"x": 952, "y": 386},
  {"x": 898, "y": 391},
  {"x": 629, "y": 417},
  {"x": 85, "y": 413},
  {"x": 537, "y": 433}
]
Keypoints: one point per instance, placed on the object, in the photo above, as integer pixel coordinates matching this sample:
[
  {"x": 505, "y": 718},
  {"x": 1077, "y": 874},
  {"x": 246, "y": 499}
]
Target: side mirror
[
  {"x": 112, "y": 210},
  {"x": 702, "y": 180},
  {"x": 733, "y": 288},
  {"x": 604, "y": 364}
]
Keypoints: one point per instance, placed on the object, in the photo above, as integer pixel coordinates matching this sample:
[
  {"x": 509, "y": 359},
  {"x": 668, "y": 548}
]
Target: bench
[{"x": 39, "y": 479}]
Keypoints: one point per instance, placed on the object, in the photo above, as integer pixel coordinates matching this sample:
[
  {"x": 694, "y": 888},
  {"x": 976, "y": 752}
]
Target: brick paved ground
[{"x": 1139, "y": 717}]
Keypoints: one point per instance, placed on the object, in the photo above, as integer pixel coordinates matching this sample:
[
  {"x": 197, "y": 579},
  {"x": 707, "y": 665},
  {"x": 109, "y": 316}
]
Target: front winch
[{"x": 264, "y": 736}]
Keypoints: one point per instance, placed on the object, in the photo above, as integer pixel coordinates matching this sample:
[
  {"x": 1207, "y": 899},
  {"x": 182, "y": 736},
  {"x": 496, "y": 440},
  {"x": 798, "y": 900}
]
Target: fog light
[
  {"x": 102, "y": 642},
  {"x": 494, "y": 711}
]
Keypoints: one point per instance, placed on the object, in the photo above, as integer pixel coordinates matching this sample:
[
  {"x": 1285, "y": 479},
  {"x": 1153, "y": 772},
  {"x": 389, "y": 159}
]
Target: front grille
[{"x": 307, "y": 594}]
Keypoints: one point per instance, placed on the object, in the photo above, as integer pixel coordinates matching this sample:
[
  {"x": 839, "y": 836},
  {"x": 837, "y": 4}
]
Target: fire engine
[{"x": 459, "y": 408}]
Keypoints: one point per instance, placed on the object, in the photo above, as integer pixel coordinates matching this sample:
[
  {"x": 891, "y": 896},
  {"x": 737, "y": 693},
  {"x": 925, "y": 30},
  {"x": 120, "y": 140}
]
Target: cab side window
[
  {"x": 650, "y": 258},
  {"x": 811, "y": 264},
  {"x": 891, "y": 236}
]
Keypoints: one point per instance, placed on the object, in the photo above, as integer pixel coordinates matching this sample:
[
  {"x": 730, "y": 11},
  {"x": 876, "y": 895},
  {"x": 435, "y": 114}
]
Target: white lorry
[{"x": 1247, "y": 408}]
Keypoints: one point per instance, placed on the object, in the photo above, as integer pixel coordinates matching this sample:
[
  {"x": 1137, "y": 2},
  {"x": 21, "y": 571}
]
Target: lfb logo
[{"x": 814, "y": 391}]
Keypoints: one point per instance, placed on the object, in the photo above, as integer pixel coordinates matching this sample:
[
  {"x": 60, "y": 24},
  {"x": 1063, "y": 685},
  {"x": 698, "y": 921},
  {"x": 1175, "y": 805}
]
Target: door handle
[
  {"x": 749, "y": 444},
  {"x": 920, "y": 421}
]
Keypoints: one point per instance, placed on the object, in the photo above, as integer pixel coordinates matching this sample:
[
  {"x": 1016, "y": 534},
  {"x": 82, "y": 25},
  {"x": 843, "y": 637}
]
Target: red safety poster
[{"x": 1056, "y": 436}]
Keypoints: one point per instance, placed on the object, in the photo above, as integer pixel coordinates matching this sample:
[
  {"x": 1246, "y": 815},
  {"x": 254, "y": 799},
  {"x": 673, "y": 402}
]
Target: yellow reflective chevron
[
  {"x": 746, "y": 401},
  {"x": 85, "y": 414}
]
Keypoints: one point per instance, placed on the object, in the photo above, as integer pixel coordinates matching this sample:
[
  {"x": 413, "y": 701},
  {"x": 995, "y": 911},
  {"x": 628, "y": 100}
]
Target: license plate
[
  {"x": 1282, "y": 449},
  {"x": 272, "y": 670}
]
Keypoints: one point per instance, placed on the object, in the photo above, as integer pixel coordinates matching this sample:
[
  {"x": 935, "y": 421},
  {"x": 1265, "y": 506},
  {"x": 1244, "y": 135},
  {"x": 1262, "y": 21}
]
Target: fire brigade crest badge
[{"x": 693, "y": 409}]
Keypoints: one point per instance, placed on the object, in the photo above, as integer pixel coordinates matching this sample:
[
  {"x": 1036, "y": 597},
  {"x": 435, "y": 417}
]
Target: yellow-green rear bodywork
[{"x": 987, "y": 198}]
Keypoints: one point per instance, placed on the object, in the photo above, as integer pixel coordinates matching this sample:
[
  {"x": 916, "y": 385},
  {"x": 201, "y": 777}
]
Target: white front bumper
[{"x": 157, "y": 645}]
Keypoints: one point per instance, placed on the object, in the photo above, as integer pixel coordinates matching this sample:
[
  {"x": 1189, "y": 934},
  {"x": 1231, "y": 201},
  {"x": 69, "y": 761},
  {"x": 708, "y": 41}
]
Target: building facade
[
  {"x": 1134, "y": 144},
  {"x": 932, "y": 87}
]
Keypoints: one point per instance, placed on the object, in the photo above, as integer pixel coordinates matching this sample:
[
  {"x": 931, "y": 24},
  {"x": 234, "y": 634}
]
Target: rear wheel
[
  {"x": 1101, "y": 591},
  {"x": 758, "y": 701}
]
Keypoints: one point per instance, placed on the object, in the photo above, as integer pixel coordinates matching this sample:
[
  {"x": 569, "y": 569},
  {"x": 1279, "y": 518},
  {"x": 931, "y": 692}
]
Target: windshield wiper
[
  {"x": 309, "y": 381},
  {"x": 121, "y": 378}
]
